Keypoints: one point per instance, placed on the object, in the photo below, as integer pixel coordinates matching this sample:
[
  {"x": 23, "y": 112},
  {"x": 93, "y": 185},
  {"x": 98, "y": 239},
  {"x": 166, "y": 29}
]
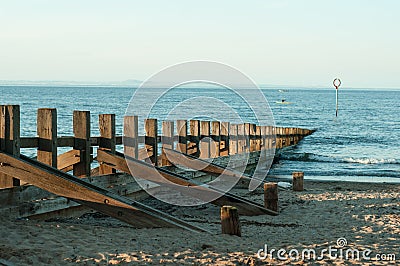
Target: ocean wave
[
  {"x": 371, "y": 161},
  {"x": 311, "y": 157}
]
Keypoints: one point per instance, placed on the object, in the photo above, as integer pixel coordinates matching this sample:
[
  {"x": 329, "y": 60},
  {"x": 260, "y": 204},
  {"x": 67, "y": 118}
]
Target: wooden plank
[
  {"x": 194, "y": 138},
  {"x": 81, "y": 124},
  {"x": 252, "y": 138},
  {"x": 151, "y": 129},
  {"x": 263, "y": 135},
  {"x": 68, "y": 159},
  {"x": 9, "y": 139},
  {"x": 29, "y": 142},
  {"x": 204, "y": 139},
  {"x": 107, "y": 139},
  {"x": 47, "y": 136},
  {"x": 152, "y": 173},
  {"x": 57, "y": 182},
  {"x": 224, "y": 148},
  {"x": 181, "y": 129},
  {"x": 247, "y": 137},
  {"x": 131, "y": 127},
  {"x": 233, "y": 139},
  {"x": 167, "y": 140},
  {"x": 216, "y": 139}
]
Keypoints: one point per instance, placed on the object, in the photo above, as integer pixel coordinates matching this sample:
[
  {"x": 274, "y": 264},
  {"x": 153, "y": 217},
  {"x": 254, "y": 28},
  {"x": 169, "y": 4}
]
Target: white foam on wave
[{"x": 370, "y": 161}]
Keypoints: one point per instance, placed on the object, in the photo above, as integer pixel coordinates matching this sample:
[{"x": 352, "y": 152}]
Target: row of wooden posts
[
  {"x": 230, "y": 223},
  {"x": 204, "y": 139}
]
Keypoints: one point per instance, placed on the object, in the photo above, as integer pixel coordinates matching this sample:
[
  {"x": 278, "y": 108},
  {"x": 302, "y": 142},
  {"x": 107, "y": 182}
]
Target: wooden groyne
[{"x": 90, "y": 172}]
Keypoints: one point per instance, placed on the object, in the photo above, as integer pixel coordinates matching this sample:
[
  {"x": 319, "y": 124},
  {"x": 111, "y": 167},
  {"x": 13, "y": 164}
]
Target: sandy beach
[{"x": 366, "y": 215}]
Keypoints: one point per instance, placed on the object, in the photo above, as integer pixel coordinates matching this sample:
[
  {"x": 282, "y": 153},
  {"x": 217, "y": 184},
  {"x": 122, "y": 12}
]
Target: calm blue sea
[{"x": 362, "y": 144}]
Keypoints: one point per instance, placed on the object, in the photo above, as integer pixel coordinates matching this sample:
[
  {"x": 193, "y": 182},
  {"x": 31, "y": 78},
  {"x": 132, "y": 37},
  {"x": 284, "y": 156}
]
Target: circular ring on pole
[{"x": 337, "y": 82}]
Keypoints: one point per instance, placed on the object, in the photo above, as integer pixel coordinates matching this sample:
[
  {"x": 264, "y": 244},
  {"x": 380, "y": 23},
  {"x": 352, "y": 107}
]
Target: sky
[{"x": 282, "y": 42}]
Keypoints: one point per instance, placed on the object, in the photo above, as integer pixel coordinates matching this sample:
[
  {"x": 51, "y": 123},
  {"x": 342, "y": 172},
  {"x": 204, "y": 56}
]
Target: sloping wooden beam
[
  {"x": 102, "y": 200},
  {"x": 202, "y": 191},
  {"x": 68, "y": 159}
]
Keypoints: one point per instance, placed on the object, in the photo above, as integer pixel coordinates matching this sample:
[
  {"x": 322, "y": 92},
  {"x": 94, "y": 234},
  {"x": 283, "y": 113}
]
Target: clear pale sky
[{"x": 288, "y": 42}]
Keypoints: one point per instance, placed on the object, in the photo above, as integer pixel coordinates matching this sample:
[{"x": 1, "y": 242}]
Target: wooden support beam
[
  {"x": 81, "y": 124},
  {"x": 252, "y": 138},
  {"x": 107, "y": 202},
  {"x": 181, "y": 129},
  {"x": 152, "y": 173},
  {"x": 150, "y": 126},
  {"x": 271, "y": 196},
  {"x": 233, "y": 139},
  {"x": 107, "y": 139},
  {"x": 9, "y": 139},
  {"x": 204, "y": 139},
  {"x": 216, "y": 139},
  {"x": 131, "y": 127},
  {"x": 194, "y": 144},
  {"x": 224, "y": 147},
  {"x": 67, "y": 160},
  {"x": 47, "y": 136},
  {"x": 263, "y": 135},
  {"x": 167, "y": 140}
]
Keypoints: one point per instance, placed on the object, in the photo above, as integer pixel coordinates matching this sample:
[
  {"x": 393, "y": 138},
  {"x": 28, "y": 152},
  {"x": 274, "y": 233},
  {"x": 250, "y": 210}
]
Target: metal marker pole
[{"x": 337, "y": 82}]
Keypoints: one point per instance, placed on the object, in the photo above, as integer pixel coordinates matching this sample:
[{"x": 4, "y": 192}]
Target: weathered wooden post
[
  {"x": 230, "y": 221},
  {"x": 108, "y": 139},
  {"x": 47, "y": 136},
  {"x": 258, "y": 138},
  {"x": 298, "y": 181},
  {"x": 241, "y": 139},
  {"x": 131, "y": 135},
  {"x": 216, "y": 137},
  {"x": 252, "y": 138},
  {"x": 247, "y": 137},
  {"x": 150, "y": 140},
  {"x": 271, "y": 196},
  {"x": 181, "y": 129},
  {"x": 167, "y": 141},
  {"x": 194, "y": 144},
  {"x": 81, "y": 124},
  {"x": 233, "y": 139},
  {"x": 205, "y": 139},
  {"x": 224, "y": 147},
  {"x": 264, "y": 141},
  {"x": 9, "y": 139}
]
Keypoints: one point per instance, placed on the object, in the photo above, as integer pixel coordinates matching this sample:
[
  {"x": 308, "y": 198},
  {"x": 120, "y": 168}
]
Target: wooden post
[
  {"x": 107, "y": 139},
  {"x": 264, "y": 141},
  {"x": 230, "y": 221},
  {"x": 298, "y": 181},
  {"x": 150, "y": 141},
  {"x": 258, "y": 138},
  {"x": 247, "y": 138},
  {"x": 167, "y": 140},
  {"x": 181, "y": 129},
  {"x": 9, "y": 139},
  {"x": 241, "y": 139},
  {"x": 131, "y": 127},
  {"x": 47, "y": 134},
  {"x": 205, "y": 139},
  {"x": 233, "y": 139},
  {"x": 81, "y": 124},
  {"x": 194, "y": 138},
  {"x": 216, "y": 137},
  {"x": 252, "y": 138},
  {"x": 271, "y": 196},
  {"x": 224, "y": 148}
]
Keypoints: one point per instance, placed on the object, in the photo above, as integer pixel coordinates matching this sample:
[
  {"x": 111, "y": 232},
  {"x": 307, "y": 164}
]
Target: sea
[{"x": 361, "y": 144}]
